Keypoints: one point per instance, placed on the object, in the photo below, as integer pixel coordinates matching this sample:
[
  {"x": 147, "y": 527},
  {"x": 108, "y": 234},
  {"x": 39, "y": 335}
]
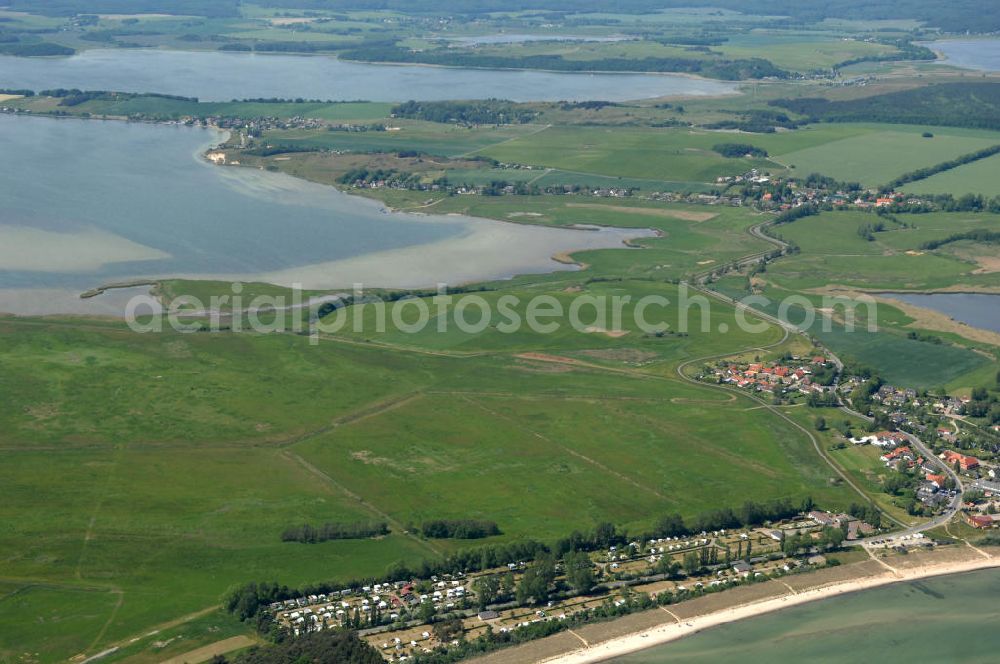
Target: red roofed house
[
  {"x": 964, "y": 462},
  {"x": 896, "y": 453},
  {"x": 937, "y": 480},
  {"x": 980, "y": 520}
]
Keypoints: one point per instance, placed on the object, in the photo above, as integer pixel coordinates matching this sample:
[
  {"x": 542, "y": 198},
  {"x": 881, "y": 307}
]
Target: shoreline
[{"x": 668, "y": 632}]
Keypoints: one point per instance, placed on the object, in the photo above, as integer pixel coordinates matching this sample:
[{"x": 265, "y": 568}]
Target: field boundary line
[
  {"x": 396, "y": 525},
  {"x": 503, "y": 142},
  {"x": 111, "y": 618},
  {"x": 579, "y": 455}
]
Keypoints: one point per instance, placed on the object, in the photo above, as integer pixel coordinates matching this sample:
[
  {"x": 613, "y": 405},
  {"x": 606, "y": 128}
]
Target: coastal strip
[
  {"x": 648, "y": 629},
  {"x": 672, "y": 631}
]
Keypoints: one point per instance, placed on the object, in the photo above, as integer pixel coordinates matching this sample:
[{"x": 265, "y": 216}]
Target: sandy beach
[{"x": 680, "y": 628}]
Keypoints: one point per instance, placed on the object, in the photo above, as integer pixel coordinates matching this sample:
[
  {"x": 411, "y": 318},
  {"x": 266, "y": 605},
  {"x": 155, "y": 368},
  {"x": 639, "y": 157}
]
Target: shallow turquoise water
[{"x": 943, "y": 619}]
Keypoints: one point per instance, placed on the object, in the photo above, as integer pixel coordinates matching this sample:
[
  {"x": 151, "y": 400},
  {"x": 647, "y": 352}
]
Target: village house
[{"x": 966, "y": 463}]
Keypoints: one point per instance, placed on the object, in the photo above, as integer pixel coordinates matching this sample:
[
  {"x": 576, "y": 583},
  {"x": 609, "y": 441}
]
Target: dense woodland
[
  {"x": 975, "y": 105},
  {"x": 751, "y": 68},
  {"x": 488, "y": 111},
  {"x": 329, "y": 647}
]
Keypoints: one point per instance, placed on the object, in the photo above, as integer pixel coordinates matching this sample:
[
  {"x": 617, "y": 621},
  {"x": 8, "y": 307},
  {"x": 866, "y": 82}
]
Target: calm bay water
[
  {"x": 219, "y": 76},
  {"x": 976, "y": 309},
  {"x": 983, "y": 54},
  {"x": 942, "y": 619},
  {"x": 84, "y": 203}
]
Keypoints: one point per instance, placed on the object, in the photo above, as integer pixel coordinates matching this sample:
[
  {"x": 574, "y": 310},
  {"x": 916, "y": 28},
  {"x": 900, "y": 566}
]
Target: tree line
[
  {"x": 249, "y": 601},
  {"x": 980, "y": 235},
  {"x": 459, "y": 529},
  {"x": 737, "y": 150},
  {"x": 731, "y": 70},
  {"x": 486, "y": 112},
  {"x": 924, "y": 173},
  {"x": 334, "y": 531}
]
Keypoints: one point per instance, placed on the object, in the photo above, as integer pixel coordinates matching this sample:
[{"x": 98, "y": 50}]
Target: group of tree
[
  {"x": 335, "y": 531},
  {"x": 984, "y": 405},
  {"x": 737, "y": 150},
  {"x": 981, "y": 236},
  {"x": 905, "y": 50},
  {"x": 867, "y": 230},
  {"x": 796, "y": 213},
  {"x": 485, "y": 112},
  {"x": 756, "y": 121},
  {"x": 34, "y": 49},
  {"x": 459, "y": 528},
  {"x": 822, "y": 400},
  {"x": 324, "y": 647},
  {"x": 972, "y": 104},
  {"x": 721, "y": 68}
]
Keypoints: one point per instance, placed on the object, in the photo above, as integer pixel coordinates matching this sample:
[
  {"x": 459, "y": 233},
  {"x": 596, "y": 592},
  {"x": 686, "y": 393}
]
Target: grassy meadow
[
  {"x": 145, "y": 474},
  {"x": 834, "y": 259}
]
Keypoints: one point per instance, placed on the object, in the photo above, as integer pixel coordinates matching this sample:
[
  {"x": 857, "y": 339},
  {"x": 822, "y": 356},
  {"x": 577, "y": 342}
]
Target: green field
[
  {"x": 979, "y": 177},
  {"x": 881, "y": 153},
  {"x": 168, "y": 465},
  {"x": 834, "y": 258},
  {"x": 799, "y": 52},
  {"x": 680, "y": 155}
]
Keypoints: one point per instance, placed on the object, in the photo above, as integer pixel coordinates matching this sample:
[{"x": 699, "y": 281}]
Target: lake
[
  {"x": 88, "y": 202},
  {"x": 980, "y": 310},
  {"x": 982, "y": 54},
  {"x": 220, "y": 76},
  {"x": 941, "y": 619}
]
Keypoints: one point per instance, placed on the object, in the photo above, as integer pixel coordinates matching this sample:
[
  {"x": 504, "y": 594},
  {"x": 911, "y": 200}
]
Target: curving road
[{"x": 700, "y": 283}]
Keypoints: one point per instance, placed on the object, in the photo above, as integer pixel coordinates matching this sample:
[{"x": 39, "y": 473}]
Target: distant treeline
[
  {"x": 333, "y": 646},
  {"x": 34, "y": 49},
  {"x": 593, "y": 105},
  {"x": 981, "y": 235},
  {"x": 486, "y": 112},
  {"x": 19, "y": 93},
  {"x": 335, "y": 531},
  {"x": 74, "y": 96},
  {"x": 796, "y": 213},
  {"x": 924, "y": 173},
  {"x": 283, "y": 47},
  {"x": 954, "y": 16},
  {"x": 975, "y": 105},
  {"x": 737, "y": 150},
  {"x": 907, "y": 50},
  {"x": 209, "y": 8},
  {"x": 297, "y": 100},
  {"x": 756, "y": 121},
  {"x": 732, "y": 70},
  {"x": 459, "y": 529}
]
